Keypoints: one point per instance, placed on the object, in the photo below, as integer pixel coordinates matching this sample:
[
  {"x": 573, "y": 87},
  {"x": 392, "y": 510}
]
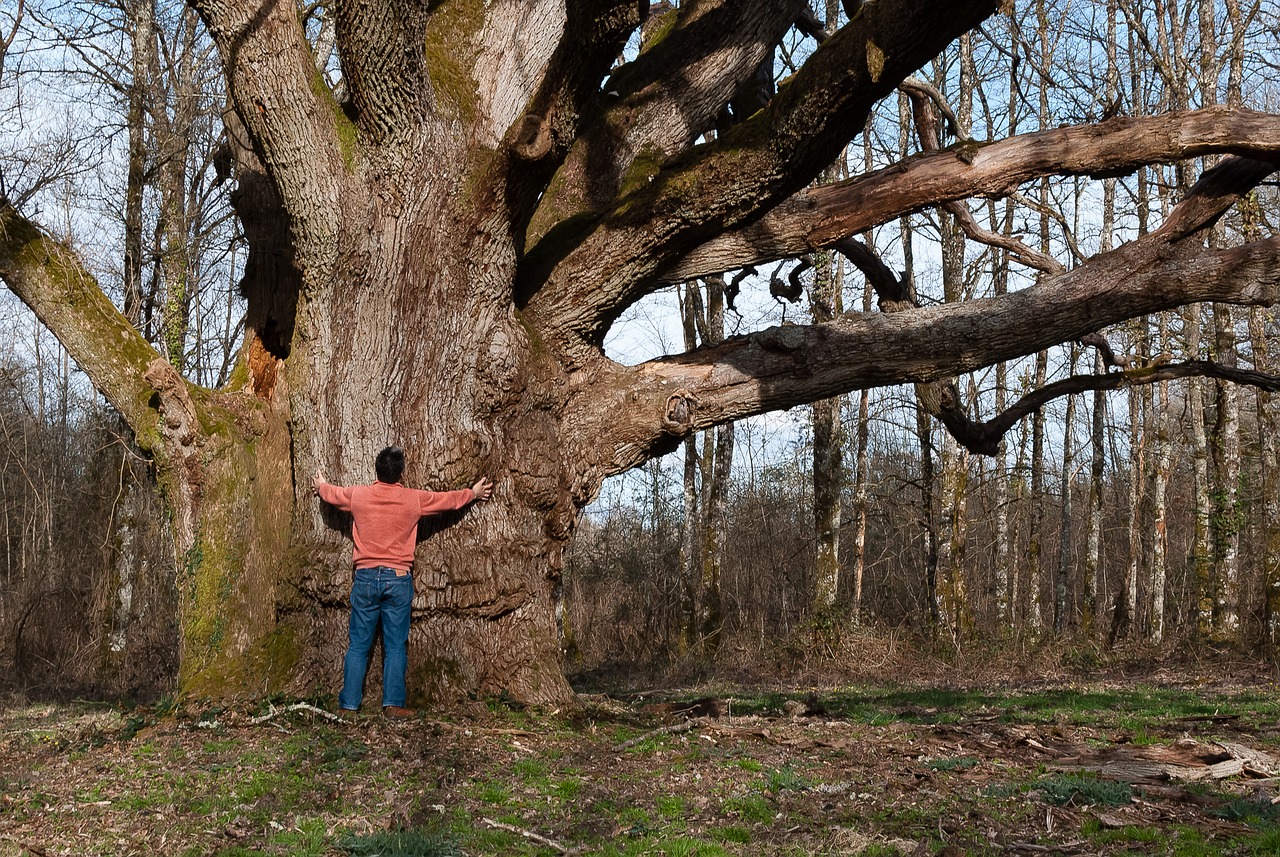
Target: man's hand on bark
[
  {"x": 482, "y": 489},
  {"x": 317, "y": 479}
]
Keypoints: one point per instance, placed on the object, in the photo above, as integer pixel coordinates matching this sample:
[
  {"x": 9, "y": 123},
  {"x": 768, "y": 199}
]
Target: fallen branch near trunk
[
  {"x": 297, "y": 706},
  {"x": 528, "y": 834}
]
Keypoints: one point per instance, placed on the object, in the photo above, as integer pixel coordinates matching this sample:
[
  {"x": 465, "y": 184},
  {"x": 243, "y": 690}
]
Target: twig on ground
[
  {"x": 673, "y": 729},
  {"x": 297, "y": 706},
  {"x": 528, "y": 834}
]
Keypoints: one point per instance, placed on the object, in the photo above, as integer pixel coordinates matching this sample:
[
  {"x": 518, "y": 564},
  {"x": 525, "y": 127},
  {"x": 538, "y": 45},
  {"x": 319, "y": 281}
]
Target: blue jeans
[{"x": 377, "y": 594}]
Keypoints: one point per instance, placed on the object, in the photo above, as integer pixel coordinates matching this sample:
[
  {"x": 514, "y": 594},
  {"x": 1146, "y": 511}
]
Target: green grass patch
[
  {"x": 954, "y": 763},
  {"x": 530, "y": 769},
  {"x": 671, "y": 807},
  {"x": 1075, "y": 789},
  {"x": 750, "y": 807},
  {"x": 492, "y": 792},
  {"x": 785, "y": 779},
  {"x": 684, "y": 846},
  {"x": 1248, "y": 811},
  {"x": 1139, "y": 834},
  {"x": 731, "y": 833},
  {"x": 405, "y": 843},
  {"x": 568, "y": 789}
]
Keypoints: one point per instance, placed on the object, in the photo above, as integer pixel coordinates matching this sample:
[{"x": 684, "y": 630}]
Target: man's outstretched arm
[{"x": 334, "y": 495}]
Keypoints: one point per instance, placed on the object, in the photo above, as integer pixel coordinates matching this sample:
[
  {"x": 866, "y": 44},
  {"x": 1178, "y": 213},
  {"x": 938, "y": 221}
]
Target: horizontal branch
[
  {"x": 790, "y": 365},
  {"x": 819, "y": 217}
]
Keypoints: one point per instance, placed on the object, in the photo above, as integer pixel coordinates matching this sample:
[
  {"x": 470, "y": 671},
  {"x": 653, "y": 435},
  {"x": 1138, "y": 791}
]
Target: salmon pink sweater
[{"x": 384, "y": 518}]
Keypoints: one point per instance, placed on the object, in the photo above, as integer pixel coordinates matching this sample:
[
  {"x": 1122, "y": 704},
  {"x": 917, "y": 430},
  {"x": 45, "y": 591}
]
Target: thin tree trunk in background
[
  {"x": 1063, "y": 577},
  {"x": 1035, "y": 548},
  {"x": 825, "y": 303},
  {"x": 717, "y": 462},
  {"x": 1018, "y": 611},
  {"x": 1139, "y": 401},
  {"x": 953, "y": 508},
  {"x": 1227, "y": 516},
  {"x": 1159, "y": 426},
  {"x": 924, "y": 422},
  {"x": 862, "y": 477},
  {"x": 1001, "y": 577},
  {"x": 1005, "y": 578},
  {"x": 953, "y": 465},
  {"x": 1123, "y": 626},
  {"x": 828, "y": 450},
  {"x": 1263, "y": 603},
  {"x": 1094, "y": 557},
  {"x": 952, "y": 512},
  {"x": 142, "y": 42},
  {"x": 1035, "y": 544},
  {"x": 690, "y": 564},
  {"x": 1201, "y": 568},
  {"x": 173, "y": 142},
  {"x": 860, "y": 497},
  {"x": 924, "y": 432}
]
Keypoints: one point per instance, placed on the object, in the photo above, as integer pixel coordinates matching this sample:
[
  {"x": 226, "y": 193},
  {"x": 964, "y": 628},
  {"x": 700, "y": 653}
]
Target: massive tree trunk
[{"x": 438, "y": 250}]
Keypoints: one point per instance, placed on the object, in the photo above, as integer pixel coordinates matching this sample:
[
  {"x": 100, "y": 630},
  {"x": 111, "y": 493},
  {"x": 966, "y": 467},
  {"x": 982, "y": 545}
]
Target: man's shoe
[
  {"x": 347, "y": 713},
  {"x": 397, "y": 711}
]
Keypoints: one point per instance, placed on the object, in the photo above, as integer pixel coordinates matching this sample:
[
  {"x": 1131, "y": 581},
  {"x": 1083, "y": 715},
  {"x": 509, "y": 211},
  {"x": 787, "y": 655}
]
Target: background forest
[{"x": 1145, "y": 515}]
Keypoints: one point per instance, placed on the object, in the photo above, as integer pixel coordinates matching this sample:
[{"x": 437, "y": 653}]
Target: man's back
[{"x": 385, "y": 518}]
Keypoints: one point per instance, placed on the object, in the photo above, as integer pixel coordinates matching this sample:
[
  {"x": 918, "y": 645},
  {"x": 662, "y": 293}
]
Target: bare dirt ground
[{"x": 1118, "y": 766}]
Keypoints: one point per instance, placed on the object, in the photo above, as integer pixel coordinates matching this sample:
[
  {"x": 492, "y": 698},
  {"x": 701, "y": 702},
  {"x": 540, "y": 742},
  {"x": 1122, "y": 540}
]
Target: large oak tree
[{"x": 440, "y": 244}]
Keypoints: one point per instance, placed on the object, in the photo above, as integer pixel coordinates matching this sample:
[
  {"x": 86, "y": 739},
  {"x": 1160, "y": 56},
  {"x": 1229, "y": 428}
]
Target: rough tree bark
[{"x": 437, "y": 252}]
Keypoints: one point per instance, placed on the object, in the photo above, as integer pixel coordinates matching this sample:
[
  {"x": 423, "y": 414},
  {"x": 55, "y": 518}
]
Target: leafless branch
[
  {"x": 984, "y": 438},
  {"x": 818, "y": 217}
]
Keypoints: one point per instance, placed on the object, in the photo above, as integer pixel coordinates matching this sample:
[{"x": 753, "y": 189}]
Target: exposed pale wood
[{"x": 528, "y": 834}]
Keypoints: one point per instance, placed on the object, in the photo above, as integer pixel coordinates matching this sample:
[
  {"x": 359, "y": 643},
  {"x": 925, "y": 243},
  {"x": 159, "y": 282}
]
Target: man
[{"x": 384, "y": 527}]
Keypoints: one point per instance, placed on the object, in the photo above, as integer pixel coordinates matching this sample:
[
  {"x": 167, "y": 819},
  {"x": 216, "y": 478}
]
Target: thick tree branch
[
  {"x": 382, "y": 52},
  {"x": 695, "y": 60},
  {"x": 790, "y": 365},
  {"x": 786, "y": 366},
  {"x": 49, "y": 279},
  {"x": 513, "y": 53},
  {"x": 575, "y": 289},
  {"x": 289, "y": 113},
  {"x": 817, "y": 218},
  {"x": 595, "y": 33}
]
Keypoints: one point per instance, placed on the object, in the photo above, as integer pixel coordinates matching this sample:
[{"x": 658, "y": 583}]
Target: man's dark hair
[{"x": 390, "y": 465}]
